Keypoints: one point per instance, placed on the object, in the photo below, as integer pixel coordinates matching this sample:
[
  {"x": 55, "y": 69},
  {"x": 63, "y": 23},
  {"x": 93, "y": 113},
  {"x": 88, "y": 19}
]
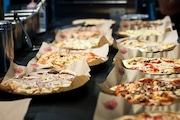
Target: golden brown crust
[
  {"x": 136, "y": 33},
  {"x": 147, "y": 46}
]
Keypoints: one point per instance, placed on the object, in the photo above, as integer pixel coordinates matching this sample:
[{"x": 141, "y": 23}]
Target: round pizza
[
  {"x": 136, "y": 33},
  {"x": 79, "y": 33},
  {"x": 39, "y": 82},
  {"x": 147, "y": 24},
  {"x": 153, "y": 65},
  {"x": 148, "y": 91},
  {"x": 61, "y": 59},
  {"x": 146, "y": 45},
  {"x": 151, "y": 116},
  {"x": 77, "y": 44}
]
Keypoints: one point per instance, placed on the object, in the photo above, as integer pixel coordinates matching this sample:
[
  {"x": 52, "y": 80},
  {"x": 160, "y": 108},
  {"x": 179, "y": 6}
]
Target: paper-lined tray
[
  {"x": 43, "y": 80},
  {"x": 100, "y": 55},
  {"x": 109, "y": 106},
  {"x": 98, "y": 33},
  {"x": 80, "y": 69},
  {"x": 112, "y": 106},
  {"x": 169, "y": 37},
  {"x": 142, "y": 24}
]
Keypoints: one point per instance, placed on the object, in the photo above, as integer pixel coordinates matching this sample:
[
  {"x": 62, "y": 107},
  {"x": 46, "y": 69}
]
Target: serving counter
[{"x": 77, "y": 104}]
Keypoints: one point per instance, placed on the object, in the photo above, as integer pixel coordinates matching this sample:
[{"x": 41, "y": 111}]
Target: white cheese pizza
[
  {"x": 39, "y": 82},
  {"x": 147, "y": 45}
]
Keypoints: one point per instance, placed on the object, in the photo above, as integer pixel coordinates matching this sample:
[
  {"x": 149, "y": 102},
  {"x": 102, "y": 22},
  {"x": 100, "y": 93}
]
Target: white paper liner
[{"x": 14, "y": 110}]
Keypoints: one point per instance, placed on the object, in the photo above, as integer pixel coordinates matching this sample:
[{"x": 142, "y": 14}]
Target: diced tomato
[
  {"x": 146, "y": 80},
  {"x": 177, "y": 69},
  {"x": 176, "y": 82},
  {"x": 63, "y": 36},
  {"x": 154, "y": 69},
  {"x": 143, "y": 71},
  {"x": 157, "y": 62},
  {"x": 151, "y": 66},
  {"x": 158, "y": 117},
  {"x": 134, "y": 63},
  {"x": 146, "y": 64}
]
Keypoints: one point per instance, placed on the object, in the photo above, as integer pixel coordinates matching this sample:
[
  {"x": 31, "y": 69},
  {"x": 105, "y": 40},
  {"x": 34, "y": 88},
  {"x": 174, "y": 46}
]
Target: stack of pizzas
[{"x": 146, "y": 74}]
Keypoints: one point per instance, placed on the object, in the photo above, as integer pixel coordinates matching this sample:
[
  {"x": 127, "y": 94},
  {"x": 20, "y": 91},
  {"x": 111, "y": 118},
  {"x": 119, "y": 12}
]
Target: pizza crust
[
  {"x": 147, "y": 46},
  {"x": 135, "y": 33}
]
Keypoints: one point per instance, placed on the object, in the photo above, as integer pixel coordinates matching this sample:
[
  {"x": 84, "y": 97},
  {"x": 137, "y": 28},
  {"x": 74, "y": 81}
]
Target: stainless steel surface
[
  {"x": 30, "y": 25},
  {"x": 6, "y": 45},
  {"x": 26, "y": 36}
]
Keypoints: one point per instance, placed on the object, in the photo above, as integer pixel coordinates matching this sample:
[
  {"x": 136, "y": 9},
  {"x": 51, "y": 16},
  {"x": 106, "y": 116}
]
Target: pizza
[
  {"x": 136, "y": 33},
  {"x": 148, "y": 91},
  {"x": 87, "y": 33},
  {"x": 147, "y": 45},
  {"x": 77, "y": 44},
  {"x": 160, "y": 115},
  {"x": 139, "y": 24},
  {"x": 157, "y": 65},
  {"x": 39, "y": 82},
  {"x": 79, "y": 33},
  {"x": 146, "y": 24},
  {"x": 62, "y": 59}
]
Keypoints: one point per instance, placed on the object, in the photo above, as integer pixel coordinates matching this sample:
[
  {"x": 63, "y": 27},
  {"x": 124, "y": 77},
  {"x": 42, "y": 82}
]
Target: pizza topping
[
  {"x": 147, "y": 91},
  {"x": 153, "y": 65},
  {"x": 62, "y": 59},
  {"x": 133, "y": 33},
  {"x": 78, "y": 44}
]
